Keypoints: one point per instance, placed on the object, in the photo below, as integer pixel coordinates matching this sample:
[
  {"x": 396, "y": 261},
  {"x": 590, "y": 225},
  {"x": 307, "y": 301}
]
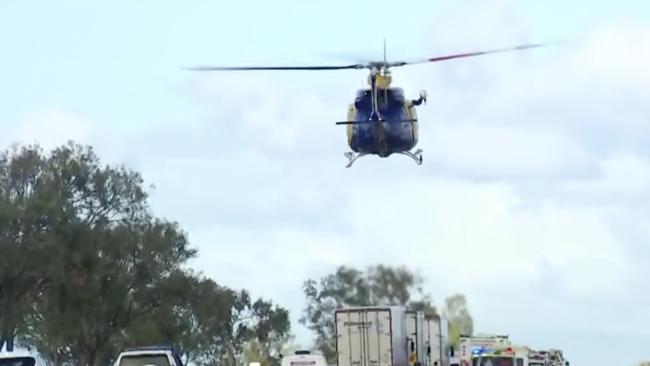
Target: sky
[{"x": 531, "y": 201}]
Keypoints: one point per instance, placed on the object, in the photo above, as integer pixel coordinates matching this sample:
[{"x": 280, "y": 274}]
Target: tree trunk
[{"x": 89, "y": 359}]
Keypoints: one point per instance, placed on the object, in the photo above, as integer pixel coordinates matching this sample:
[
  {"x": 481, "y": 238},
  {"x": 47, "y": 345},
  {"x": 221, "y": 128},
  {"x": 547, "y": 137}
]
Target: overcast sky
[{"x": 532, "y": 199}]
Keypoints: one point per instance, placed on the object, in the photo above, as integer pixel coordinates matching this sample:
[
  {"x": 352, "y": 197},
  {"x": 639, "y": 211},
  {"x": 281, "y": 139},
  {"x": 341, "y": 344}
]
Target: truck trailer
[
  {"x": 428, "y": 339},
  {"x": 390, "y": 336},
  {"x": 371, "y": 336}
]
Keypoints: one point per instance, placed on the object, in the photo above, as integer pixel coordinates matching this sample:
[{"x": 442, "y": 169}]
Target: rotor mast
[{"x": 380, "y": 72}]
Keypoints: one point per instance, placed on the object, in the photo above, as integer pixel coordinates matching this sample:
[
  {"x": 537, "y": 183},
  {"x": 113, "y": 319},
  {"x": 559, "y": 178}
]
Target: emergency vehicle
[
  {"x": 538, "y": 358},
  {"x": 501, "y": 356},
  {"x": 468, "y": 344}
]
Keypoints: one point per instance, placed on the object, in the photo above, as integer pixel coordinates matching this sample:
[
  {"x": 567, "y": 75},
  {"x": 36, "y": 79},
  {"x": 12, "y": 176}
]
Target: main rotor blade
[
  {"x": 249, "y": 68},
  {"x": 472, "y": 54},
  {"x": 370, "y": 121}
]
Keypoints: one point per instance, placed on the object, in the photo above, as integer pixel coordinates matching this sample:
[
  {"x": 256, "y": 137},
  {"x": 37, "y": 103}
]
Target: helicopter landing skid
[
  {"x": 352, "y": 157},
  {"x": 417, "y": 155}
]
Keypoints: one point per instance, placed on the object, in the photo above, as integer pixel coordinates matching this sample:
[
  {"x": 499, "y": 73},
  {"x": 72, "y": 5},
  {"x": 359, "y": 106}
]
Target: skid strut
[
  {"x": 352, "y": 157},
  {"x": 417, "y": 155}
]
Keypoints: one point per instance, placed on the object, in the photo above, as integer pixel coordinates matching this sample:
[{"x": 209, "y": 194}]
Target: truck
[
  {"x": 510, "y": 355},
  {"x": 427, "y": 334},
  {"x": 148, "y": 356},
  {"x": 439, "y": 340},
  {"x": 371, "y": 336},
  {"x": 552, "y": 357},
  {"x": 556, "y": 358},
  {"x": 468, "y": 344},
  {"x": 538, "y": 358}
]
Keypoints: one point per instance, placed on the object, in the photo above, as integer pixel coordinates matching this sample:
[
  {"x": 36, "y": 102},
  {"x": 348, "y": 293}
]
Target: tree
[
  {"x": 378, "y": 285},
  {"x": 460, "y": 320},
  {"x": 255, "y": 351},
  {"x": 86, "y": 269},
  {"x": 24, "y": 205},
  {"x": 269, "y": 328},
  {"x": 195, "y": 316},
  {"x": 258, "y": 321},
  {"x": 107, "y": 259},
  {"x": 208, "y": 322}
]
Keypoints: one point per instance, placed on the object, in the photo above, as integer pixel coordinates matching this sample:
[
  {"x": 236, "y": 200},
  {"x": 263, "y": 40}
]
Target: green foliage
[
  {"x": 460, "y": 320},
  {"x": 23, "y": 200},
  {"x": 87, "y": 269},
  {"x": 378, "y": 285},
  {"x": 255, "y": 351}
]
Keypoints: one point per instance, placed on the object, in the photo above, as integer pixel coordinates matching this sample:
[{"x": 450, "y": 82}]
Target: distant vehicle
[
  {"x": 468, "y": 344},
  {"x": 303, "y": 358},
  {"x": 427, "y": 335},
  {"x": 149, "y": 356},
  {"x": 508, "y": 356},
  {"x": 372, "y": 336},
  {"x": 556, "y": 358},
  {"x": 17, "y": 358},
  {"x": 538, "y": 358}
]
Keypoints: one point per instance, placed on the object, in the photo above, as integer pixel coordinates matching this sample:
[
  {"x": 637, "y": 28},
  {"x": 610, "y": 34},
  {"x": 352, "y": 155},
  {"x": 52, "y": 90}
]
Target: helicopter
[{"x": 380, "y": 121}]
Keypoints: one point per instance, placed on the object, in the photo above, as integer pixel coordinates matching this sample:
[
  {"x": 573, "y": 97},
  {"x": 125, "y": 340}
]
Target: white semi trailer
[
  {"x": 371, "y": 336},
  {"x": 390, "y": 336},
  {"x": 428, "y": 339}
]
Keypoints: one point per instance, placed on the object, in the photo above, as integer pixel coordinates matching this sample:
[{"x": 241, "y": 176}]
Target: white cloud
[
  {"x": 479, "y": 150},
  {"x": 50, "y": 128}
]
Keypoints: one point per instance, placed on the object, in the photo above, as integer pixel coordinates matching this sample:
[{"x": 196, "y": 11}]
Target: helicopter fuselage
[{"x": 395, "y": 130}]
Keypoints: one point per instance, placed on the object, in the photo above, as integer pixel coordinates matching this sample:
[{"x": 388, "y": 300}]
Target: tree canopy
[
  {"x": 460, "y": 320},
  {"x": 87, "y": 268}
]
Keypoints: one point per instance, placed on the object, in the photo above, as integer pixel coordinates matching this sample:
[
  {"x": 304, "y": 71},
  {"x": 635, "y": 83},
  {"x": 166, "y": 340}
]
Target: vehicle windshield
[
  {"x": 18, "y": 361},
  {"x": 497, "y": 361},
  {"x": 143, "y": 360}
]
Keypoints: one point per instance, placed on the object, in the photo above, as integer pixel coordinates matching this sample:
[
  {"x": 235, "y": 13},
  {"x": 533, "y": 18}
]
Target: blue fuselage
[{"x": 395, "y": 134}]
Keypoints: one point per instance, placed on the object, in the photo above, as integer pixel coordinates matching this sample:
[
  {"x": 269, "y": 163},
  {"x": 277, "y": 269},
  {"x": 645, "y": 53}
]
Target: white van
[
  {"x": 148, "y": 356},
  {"x": 304, "y": 358},
  {"x": 17, "y": 358}
]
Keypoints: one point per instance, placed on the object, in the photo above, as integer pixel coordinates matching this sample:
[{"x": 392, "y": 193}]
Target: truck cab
[{"x": 148, "y": 356}]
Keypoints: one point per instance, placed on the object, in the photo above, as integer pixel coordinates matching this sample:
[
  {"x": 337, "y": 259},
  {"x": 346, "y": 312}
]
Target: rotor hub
[{"x": 383, "y": 78}]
